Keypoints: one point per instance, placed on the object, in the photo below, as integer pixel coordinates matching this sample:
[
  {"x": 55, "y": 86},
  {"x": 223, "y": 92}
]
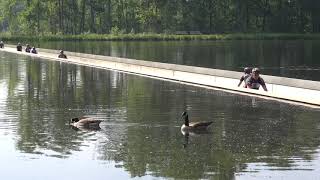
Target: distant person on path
[
  {"x": 19, "y": 47},
  {"x": 34, "y": 51},
  {"x": 254, "y": 81},
  {"x": 62, "y": 55},
  {"x": 1, "y": 44},
  {"x": 247, "y": 73},
  {"x": 28, "y": 48}
]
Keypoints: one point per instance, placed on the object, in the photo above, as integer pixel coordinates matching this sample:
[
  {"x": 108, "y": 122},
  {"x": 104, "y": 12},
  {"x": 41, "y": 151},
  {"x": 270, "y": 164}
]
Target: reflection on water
[
  {"x": 288, "y": 58},
  {"x": 140, "y": 133}
]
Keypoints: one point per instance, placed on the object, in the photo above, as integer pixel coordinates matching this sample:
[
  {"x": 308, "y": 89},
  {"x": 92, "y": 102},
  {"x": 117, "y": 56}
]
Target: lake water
[
  {"x": 140, "y": 138},
  {"x": 287, "y": 58}
]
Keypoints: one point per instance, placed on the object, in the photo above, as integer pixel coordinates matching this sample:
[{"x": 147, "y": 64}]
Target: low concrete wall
[{"x": 298, "y": 90}]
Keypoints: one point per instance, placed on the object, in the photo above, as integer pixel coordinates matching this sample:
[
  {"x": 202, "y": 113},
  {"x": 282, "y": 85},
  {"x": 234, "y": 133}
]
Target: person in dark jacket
[
  {"x": 62, "y": 55},
  {"x": 34, "y": 51},
  {"x": 1, "y": 44},
  {"x": 28, "y": 48},
  {"x": 254, "y": 81},
  {"x": 19, "y": 47}
]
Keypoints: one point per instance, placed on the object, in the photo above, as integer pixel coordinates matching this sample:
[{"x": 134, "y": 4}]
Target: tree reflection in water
[{"x": 140, "y": 131}]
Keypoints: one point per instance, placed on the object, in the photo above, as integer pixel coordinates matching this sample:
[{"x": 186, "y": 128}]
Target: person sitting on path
[
  {"x": 34, "y": 51},
  {"x": 245, "y": 76},
  {"x": 62, "y": 55},
  {"x": 1, "y": 44},
  {"x": 19, "y": 47},
  {"x": 254, "y": 81},
  {"x": 28, "y": 48}
]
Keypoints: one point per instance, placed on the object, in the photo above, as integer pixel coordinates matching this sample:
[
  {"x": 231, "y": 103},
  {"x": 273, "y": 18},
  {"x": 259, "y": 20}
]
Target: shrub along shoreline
[{"x": 160, "y": 37}]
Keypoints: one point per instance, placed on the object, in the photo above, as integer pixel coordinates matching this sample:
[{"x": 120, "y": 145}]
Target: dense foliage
[{"x": 158, "y": 16}]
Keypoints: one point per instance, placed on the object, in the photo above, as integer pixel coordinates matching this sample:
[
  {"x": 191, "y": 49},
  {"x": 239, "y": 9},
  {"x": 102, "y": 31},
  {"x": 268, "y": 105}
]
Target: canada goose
[
  {"x": 85, "y": 122},
  {"x": 195, "y": 126}
]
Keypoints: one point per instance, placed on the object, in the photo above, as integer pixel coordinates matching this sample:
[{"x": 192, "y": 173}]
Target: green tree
[{"x": 158, "y": 16}]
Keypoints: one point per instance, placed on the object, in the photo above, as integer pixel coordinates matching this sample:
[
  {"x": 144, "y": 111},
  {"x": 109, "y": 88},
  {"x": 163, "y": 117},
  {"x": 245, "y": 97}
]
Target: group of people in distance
[
  {"x": 33, "y": 50},
  {"x": 28, "y": 49},
  {"x": 252, "y": 79}
]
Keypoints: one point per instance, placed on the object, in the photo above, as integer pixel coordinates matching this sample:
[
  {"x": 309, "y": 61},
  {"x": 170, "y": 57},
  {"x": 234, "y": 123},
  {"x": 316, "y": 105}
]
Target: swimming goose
[
  {"x": 85, "y": 122},
  {"x": 195, "y": 126}
]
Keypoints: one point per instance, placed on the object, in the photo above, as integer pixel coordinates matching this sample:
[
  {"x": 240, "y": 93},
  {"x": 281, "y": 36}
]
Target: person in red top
[{"x": 254, "y": 81}]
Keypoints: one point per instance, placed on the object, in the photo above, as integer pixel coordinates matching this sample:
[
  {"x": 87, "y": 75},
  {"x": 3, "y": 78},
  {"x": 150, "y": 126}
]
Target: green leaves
[{"x": 33, "y": 17}]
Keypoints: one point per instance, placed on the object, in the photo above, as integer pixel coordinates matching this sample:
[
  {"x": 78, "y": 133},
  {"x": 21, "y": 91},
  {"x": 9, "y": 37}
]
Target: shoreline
[{"x": 161, "y": 37}]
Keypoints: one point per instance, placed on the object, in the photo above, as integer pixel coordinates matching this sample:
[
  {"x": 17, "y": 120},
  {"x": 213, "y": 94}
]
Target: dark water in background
[
  {"x": 251, "y": 138},
  {"x": 288, "y": 58}
]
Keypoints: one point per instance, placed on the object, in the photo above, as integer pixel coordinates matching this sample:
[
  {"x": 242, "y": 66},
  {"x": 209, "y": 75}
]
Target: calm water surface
[
  {"x": 287, "y": 58},
  {"x": 251, "y": 138}
]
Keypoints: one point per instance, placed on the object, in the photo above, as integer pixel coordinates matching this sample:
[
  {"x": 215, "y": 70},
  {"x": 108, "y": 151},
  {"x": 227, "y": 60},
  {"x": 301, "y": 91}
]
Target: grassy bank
[{"x": 159, "y": 37}]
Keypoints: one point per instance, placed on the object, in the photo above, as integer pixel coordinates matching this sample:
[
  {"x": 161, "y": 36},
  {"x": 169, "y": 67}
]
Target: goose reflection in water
[{"x": 193, "y": 134}]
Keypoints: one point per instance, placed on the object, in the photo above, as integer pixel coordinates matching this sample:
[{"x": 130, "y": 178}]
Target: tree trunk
[
  {"x": 83, "y": 16},
  {"x": 315, "y": 15},
  {"x": 266, "y": 10},
  {"x": 301, "y": 20},
  {"x": 211, "y": 10},
  {"x": 92, "y": 19},
  {"x": 60, "y": 15},
  {"x": 38, "y": 16},
  {"x": 74, "y": 17},
  {"x": 109, "y": 17},
  {"x": 247, "y": 17}
]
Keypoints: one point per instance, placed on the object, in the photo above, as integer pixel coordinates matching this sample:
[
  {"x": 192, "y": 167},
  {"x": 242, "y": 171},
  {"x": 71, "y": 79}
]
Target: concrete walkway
[{"x": 295, "y": 90}]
